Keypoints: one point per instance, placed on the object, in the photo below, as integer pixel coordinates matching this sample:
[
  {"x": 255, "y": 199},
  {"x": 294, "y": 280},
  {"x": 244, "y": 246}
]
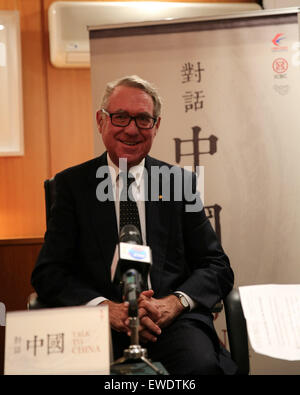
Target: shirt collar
[{"x": 136, "y": 171}]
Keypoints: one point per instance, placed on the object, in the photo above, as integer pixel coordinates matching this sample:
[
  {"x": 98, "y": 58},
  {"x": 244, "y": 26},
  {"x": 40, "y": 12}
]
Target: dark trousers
[{"x": 187, "y": 346}]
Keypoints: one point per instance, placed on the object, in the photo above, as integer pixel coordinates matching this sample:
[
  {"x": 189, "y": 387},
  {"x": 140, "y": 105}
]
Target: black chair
[
  {"x": 237, "y": 331},
  {"x": 50, "y": 192},
  {"x": 234, "y": 316}
]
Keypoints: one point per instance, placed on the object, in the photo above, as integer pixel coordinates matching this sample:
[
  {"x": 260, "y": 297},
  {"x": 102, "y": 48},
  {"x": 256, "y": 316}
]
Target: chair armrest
[
  {"x": 34, "y": 303},
  {"x": 218, "y": 307}
]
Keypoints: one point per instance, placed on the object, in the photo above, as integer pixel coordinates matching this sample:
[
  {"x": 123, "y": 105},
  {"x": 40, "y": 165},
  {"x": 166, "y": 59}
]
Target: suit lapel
[
  {"x": 103, "y": 214},
  {"x": 157, "y": 224}
]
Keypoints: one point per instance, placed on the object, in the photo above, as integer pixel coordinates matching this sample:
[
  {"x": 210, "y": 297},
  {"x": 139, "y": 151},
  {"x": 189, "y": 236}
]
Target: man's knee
[
  {"x": 207, "y": 364},
  {"x": 200, "y": 364}
]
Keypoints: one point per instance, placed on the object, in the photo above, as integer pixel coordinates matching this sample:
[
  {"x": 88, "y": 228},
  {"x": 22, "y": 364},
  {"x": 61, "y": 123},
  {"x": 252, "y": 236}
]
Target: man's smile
[{"x": 130, "y": 143}]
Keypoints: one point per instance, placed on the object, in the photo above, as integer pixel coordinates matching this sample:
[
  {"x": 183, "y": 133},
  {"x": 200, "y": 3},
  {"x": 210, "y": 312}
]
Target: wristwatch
[{"x": 183, "y": 300}]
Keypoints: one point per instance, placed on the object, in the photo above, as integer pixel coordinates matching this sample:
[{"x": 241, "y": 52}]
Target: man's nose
[{"x": 132, "y": 128}]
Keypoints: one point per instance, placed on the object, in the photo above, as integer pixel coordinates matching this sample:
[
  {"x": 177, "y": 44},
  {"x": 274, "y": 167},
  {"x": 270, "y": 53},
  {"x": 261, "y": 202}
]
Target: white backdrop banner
[{"x": 231, "y": 92}]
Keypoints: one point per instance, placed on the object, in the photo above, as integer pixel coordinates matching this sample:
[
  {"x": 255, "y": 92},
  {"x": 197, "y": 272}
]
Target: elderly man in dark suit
[{"x": 190, "y": 271}]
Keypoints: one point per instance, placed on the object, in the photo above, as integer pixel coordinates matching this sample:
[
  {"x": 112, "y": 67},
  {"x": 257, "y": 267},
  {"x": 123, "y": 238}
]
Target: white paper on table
[{"x": 272, "y": 313}]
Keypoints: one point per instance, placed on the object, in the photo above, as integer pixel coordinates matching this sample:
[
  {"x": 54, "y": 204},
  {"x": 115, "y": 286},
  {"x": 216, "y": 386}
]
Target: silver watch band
[{"x": 183, "y": 300}]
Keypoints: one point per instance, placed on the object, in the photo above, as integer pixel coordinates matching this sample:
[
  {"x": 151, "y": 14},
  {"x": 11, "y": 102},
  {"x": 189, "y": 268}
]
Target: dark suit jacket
[{"x": 74, "y": 264}]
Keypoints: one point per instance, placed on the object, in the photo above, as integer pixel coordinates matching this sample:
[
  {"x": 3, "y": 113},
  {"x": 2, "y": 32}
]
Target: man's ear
[
  {"x": 99, "y": 120},
  {"x": 157, "y": 123}
]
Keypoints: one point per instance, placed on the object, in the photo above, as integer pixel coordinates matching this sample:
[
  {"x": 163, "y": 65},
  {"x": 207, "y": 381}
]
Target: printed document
[{"x": 272, "y": 314}]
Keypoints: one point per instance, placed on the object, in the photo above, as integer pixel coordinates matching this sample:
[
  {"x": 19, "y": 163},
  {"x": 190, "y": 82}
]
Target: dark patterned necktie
[{"x": 129, "y": 214}]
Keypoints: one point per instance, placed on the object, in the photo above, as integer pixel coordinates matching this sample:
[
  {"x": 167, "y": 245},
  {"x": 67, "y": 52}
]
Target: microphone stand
[{"x": 135, "y": 350}]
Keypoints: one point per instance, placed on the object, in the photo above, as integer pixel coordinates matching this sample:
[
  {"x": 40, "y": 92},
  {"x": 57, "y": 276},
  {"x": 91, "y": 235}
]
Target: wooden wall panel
[
  {"x": 21, "y": 191},
  {"x": 17, "y": 258},
  {"x": 70, "y": 112}
]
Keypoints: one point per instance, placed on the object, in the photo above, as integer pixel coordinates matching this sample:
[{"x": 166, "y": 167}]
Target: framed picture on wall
[{"x": 11, "y": 100}]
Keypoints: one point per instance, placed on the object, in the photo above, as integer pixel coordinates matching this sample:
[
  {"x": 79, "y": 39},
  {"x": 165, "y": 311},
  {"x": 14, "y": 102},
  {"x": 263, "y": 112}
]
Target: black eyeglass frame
[{"x": 130, "y": 119}]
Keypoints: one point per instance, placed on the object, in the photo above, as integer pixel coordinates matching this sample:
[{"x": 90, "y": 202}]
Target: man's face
[{"x": 129, "y": 142}]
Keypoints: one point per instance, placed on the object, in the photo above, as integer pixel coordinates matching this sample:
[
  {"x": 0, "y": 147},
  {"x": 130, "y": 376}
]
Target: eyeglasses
[{"x": 123, "y": 119}]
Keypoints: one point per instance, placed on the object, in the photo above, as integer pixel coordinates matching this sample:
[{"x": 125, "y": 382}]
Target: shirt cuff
[{"x": 96, "y": 301}]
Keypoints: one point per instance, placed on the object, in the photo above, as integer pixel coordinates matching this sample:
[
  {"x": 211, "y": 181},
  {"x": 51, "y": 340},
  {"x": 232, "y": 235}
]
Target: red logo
[
  {"x": 276, "y": 40},
  {"x": 280, "y": 65}
]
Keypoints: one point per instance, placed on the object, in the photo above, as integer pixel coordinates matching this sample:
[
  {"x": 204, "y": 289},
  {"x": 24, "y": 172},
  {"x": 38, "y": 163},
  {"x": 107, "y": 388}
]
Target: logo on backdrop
[
  {"x": 278, "y": 46},
  {"x": 282, "y": 89},
  {"x": 280, "y": 65},
  {"x": 278, "y": 41}
]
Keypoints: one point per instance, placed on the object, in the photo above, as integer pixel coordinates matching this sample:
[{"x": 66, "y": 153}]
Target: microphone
[
  {"x": 130, "y": 234},
  {"x": 134, "y": 265}
]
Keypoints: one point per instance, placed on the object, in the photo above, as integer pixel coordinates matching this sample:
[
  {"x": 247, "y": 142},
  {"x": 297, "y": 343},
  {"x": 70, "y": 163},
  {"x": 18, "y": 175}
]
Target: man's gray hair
[{"x": 134, "y": 81}]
